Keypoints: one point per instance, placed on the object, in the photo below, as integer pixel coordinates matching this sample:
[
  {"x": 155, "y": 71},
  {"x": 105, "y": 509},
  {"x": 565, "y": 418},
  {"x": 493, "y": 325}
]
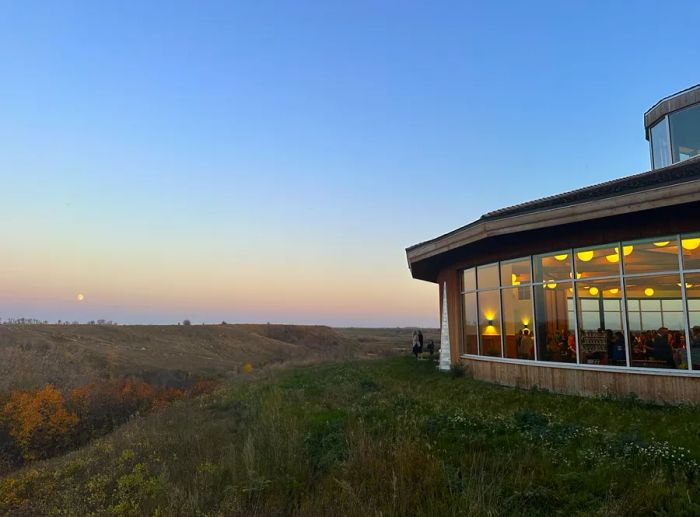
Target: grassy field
[
  {"x": 73, "y": 355},
  {"x": 385, "y": 437}
]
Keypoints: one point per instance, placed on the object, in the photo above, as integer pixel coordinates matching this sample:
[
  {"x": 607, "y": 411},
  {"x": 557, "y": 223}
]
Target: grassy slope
[
  {"x": 390, "y": 436},
  {"x": 69, "y": 355}
]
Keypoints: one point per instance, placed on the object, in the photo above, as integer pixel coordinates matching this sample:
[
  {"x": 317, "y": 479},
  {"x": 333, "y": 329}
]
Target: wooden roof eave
[{"x": 657, "y": 197}]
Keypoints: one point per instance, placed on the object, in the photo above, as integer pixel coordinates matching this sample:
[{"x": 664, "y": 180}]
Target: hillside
[
  {"x": 71, "y": 355},
  {"x": 385, "y": 437}
]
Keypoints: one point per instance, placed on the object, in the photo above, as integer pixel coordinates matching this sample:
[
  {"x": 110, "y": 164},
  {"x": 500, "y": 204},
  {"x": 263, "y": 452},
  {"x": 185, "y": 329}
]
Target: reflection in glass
[
  {"x": 660, "y": 146},
  {"x": 469, "y": 279},
  {"x": 601, "y": 339},
  {"x": 517, "y": 322},
  {"x": 555, "y": 330},
  {"x": 655, "y": 321},
  {"x": 599, "y": 260},
  {"x": 685, "y": 133},
  {"x": 552, "y": 266},
  {"x": 490, "y": 323},
  {"x": 469, "y": 322},
  {"x": 515, "y": 272},
  {"x": 650, "y": 255},
  {"x": 692, "y": 293},
  {"x": 487, "y": 276},
  {"x": 690, "y": 248}
]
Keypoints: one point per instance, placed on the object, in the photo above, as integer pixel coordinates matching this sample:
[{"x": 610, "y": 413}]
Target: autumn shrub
[{"x": 39, "y": 422}]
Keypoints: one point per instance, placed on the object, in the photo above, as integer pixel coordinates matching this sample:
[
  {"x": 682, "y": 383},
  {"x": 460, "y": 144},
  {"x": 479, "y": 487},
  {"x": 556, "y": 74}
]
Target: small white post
[{"x": 445, "y": 359}]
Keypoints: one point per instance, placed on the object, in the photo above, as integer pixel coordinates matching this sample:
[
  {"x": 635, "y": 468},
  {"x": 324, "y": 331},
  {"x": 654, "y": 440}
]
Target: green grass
[{"x": 383, "y": 437}]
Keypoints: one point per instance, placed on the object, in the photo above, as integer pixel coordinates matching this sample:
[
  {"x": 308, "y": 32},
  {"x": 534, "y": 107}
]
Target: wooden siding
[{"x": 659, "y": 388}]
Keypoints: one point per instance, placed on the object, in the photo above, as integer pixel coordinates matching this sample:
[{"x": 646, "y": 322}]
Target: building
[{"x": 594, "y": 291}]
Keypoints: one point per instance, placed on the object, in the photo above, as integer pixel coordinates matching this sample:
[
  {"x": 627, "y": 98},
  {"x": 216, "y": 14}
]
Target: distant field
[
  {"x": 72, "y": 355},
  {"x": 390, "y": 437}
]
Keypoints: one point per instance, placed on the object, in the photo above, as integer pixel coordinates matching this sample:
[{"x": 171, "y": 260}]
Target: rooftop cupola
[{"x": 672, "y": 127}]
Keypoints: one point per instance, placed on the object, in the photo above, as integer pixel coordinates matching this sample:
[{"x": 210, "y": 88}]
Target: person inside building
[
  {"x": 618, "y": 349},
  {"x": 431, "y": 347},
  {"x": 695, "y": 347},
  {"x": 525, "y": 345},
  {"x": 661, "y": 348}
]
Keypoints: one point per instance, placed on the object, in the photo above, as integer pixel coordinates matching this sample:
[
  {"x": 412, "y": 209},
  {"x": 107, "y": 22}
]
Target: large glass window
[
  {"x": 685, "y": 133},
  {"x": 598, "y": 261},
  {"x": 655, "y": 321},
  {"x": 555, "y": 331},
  {"x": 469, "y": 323},
  {"x": 517, "y": 323},
  {"x": 601, "y": 336},
  {"x": 490, "y": 323},
  {"x": 572, "y": 306},
  {"x": 660, "y": 146},
  {"x": 650, "y": 255}
]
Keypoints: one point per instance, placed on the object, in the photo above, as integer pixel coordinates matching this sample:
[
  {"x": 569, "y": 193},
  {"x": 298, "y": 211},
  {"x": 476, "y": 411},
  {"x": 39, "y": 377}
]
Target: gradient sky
[{"x": 270, "y": 161}]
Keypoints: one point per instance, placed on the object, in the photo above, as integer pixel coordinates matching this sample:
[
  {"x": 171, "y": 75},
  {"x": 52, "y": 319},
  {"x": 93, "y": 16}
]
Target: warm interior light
[
  {"x": 585, "y": 256},
  {"x": 526, "y": 322},
  {"x": 690, "y": 244},
  {"x": 578, "y": 275},
  {"x": 614, "y": 290},
  {"x": 661, "y": 244},
  {"x": 561, "y": 257},
  {"x": 594, "y": 291},
  {"x": 615, "y": 258},
  {"x": 649, "y": 291},
  {"x": 626, "y": 250},
  {"x": 514, "y": 279},
  {"x": 687, "y": 285},
  {"x": 551, "y": 284}
]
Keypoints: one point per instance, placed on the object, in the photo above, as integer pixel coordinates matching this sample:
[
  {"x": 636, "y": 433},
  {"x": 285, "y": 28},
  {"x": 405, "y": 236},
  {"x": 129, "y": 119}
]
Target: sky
[{"x": 271, "y": 160}]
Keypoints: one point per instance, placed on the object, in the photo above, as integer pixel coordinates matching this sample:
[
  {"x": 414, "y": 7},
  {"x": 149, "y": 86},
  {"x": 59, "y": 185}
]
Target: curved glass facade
[
  {"x": 676, "y": 137},
  {"x": 633, "y": 304}
]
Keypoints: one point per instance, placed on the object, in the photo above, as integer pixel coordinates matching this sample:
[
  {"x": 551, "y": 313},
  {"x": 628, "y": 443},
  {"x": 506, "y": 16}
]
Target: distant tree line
[{"x": 34, "y": 321}]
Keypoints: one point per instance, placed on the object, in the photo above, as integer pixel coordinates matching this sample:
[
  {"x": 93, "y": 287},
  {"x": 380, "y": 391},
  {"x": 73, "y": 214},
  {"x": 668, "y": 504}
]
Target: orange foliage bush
[{"x": 39, "y": 421}]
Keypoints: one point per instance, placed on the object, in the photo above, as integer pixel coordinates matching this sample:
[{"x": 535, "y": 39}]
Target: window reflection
[
  {"x": 469, "y": 323},
  {"x": 599, "y": 260},
  {"x": 656, "y": 322},
  {"x": 515, "y": 272},
  {"x": 469, "y": 279},
  {"x": 685, "y": 133},
  {"x": 690, "y": 248},
  {"x": 601, "y": 338},
  {"x": 650, "y": 255},
  {"x": 554, "y": 319},
  {"x": 660, "y": 146},
  {"x": 487, "y": 276},
  {"x": 517, "y": 322},
  {"x": 553, "y": 266},
  {"x": 490, "y": 323},
  {"x": 692, "y": 293}
]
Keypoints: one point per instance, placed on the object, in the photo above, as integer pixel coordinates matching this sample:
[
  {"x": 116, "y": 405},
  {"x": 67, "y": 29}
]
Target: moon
[{"x": 80, "y": 297}]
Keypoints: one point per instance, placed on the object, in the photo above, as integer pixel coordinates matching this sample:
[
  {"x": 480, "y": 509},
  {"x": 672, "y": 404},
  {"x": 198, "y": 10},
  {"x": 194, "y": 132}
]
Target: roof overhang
[{"x": 485, "y": 228}]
